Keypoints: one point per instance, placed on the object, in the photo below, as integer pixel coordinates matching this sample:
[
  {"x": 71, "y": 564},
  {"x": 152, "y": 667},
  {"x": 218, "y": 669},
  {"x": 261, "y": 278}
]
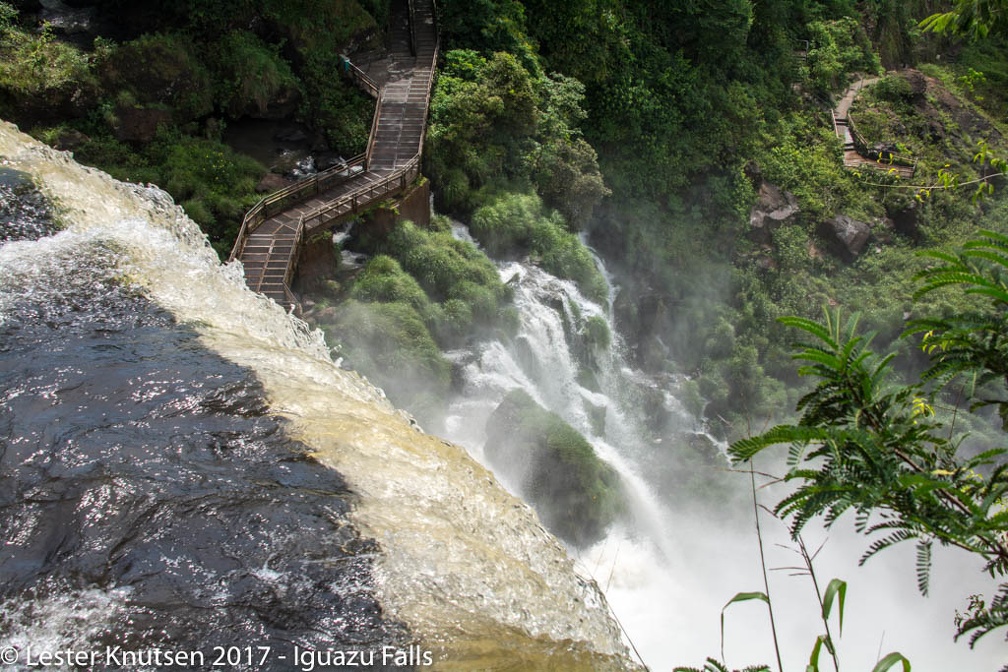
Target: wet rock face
[
  {"x": 135, "y": 463},
  {"x": 576, "y": 495},
  {"x": 25, "y": 213}
]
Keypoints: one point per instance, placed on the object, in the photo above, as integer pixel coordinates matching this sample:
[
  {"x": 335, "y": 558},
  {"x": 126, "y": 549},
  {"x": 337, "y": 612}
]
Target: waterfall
[
  {"x": 183, "y": 467},
  {"x": 688, "y": 545}
]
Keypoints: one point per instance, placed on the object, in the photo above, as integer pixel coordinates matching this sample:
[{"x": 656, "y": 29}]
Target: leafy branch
[{"x": 869, "y": 445}]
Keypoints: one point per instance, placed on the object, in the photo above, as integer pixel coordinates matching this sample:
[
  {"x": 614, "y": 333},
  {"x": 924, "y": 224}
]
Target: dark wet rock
[
  {"x": 139, "y": 125},
  {"x": 25, "y": 213},
  {"x": 272, "y": 182},
  {"x": 292, "y": 136},
  {"x": 326, "y": 160},
  {"x": 70, "y": 139},
  {"x": 136, "y": 464},
  {"x": 906, "y": 218},
  {"x": 68, "y": 18}
]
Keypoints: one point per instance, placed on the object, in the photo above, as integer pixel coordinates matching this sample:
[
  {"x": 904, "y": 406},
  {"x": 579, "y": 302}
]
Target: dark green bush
[
  {"x": 252, "y": 75},
  {"x": 514, "y": 224}
]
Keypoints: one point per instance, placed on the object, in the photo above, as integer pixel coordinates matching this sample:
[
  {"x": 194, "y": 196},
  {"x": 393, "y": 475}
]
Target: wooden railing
[
  {"x": 355, "y": 201},
  {"x": 301, "y": 190},
  {"x": 430, "y": 91},
  {"x": 374, "y": 131},
  {"x": 352, "y": 203},
  {"x": 861, "y": 145},
  {"x": 359, "y": 78},
  {"x": 412, "y": 29}
]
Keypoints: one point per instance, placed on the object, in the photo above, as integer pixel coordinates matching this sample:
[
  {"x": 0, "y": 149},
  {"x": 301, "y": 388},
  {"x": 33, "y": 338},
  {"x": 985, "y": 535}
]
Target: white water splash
[{"x": 668, "y": 572}]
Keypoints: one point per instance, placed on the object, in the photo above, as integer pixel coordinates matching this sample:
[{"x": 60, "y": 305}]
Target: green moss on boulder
[{"x": 576, "y": 494}]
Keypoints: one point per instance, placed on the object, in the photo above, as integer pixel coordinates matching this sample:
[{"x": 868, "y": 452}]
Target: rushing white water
[
  {"x": 690, "y": 544},
  {"x": 463, "y": 564}
]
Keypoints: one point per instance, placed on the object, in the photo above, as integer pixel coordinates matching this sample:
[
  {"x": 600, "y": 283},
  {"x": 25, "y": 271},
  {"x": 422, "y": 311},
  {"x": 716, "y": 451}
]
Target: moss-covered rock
[
  {"x": 42, "y": 78},
  {"x": 389, "y": 343},
  {"x": 576, "y": 494},
  {"x": 457, "y": 277},
  {"x": 166, "y": 70}
]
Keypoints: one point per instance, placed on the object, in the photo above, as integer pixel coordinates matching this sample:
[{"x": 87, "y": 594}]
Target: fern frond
[{"x": 745, "y": 449}]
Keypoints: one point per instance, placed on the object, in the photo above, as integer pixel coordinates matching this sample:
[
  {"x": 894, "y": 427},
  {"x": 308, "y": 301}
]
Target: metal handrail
[
  {"x": 372, "y": 138},
  {"x": 412, "y": 29},
  {"x": 360, "y": 78}
]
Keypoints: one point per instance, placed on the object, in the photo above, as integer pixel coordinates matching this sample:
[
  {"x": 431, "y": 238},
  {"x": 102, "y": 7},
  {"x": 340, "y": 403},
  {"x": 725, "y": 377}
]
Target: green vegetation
[
  {"x": 215, "y": 185},
  {"x": 153, "y": 106},
  {"x": 576, "y": 495},
  {"x": 506, "y": 153},
  {"x": 868, "y": 444},
  {"x": 422, "y": 291},
  {"x": 390, "y": 342},
  {"x": 973, "y": 18},
  {"x": 656, "y": 127},
  {"x": 40, "y": 75},
  {"x": 515, "y": 224},
  {"x": 453, "y": 286}
]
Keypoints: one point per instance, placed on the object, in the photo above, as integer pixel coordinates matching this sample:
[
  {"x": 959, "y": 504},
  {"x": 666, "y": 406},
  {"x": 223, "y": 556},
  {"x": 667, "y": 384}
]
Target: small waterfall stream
[{"x": 688, "y": 544}]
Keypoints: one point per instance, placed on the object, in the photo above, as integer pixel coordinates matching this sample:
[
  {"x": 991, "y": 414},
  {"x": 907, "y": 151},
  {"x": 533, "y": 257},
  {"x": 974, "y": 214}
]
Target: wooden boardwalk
[
  {"x": 857, "y": 154},
  {"x": 274, "y": 229}
]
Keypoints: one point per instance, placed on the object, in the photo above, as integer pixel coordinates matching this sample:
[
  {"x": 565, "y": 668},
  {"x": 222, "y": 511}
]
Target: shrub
[
  {"x": 515, "y": 224},
  {"x": 40, "y": 77},
  {"x": 384, "y": 281},
  {"x": 251, "y": 75},
  {"x": 389, "y": 343},
  {"x": 162, "y": 69}
]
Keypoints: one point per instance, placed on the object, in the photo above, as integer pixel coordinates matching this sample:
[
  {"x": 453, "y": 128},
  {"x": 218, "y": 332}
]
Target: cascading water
[
  {"x": 688, "y": 545},
  {"x": 183, "y": 468}
]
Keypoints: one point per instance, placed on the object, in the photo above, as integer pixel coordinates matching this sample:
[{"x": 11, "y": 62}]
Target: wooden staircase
[{"x": 270, "y": 239}]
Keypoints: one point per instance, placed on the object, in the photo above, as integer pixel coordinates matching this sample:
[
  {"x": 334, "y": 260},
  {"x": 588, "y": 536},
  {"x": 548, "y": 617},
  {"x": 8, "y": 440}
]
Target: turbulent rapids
[{"x": 184, "y": 470}]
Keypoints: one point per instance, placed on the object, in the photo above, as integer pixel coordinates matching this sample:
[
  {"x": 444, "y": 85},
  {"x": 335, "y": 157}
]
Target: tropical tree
[
  {"x": 971, "y": 18},
  {"x": 872, "y": 445}
]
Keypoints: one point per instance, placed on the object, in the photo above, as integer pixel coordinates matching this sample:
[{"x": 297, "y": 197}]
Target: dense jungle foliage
[{"x": 656, "y": 127}]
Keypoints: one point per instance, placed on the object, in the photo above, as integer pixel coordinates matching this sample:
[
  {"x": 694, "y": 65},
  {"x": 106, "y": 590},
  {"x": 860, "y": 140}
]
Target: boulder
[
  {"x": 139, "y": 125},
  {"x": 906, "y": 217},
  {"x": 70, "y": 139},
  {"x": 576, "y": 495},
  {"x": 773, "y": 208},
  {"x": 272, "y": 182},
  {"x": 846, "y": 236}
]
